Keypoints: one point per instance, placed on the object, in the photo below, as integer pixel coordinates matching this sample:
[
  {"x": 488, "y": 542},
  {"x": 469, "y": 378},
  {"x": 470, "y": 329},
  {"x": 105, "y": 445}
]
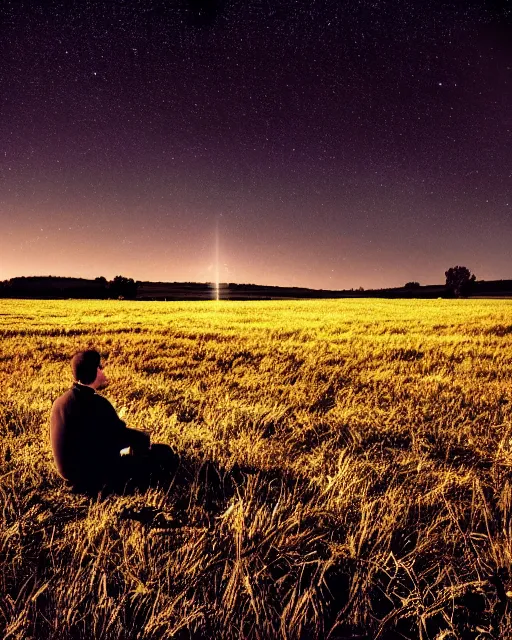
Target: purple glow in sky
[{"x": 335, "y": 144}]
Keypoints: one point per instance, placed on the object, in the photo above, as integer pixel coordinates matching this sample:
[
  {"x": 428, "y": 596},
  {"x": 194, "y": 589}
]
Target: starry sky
[{"x": 333, "y": 143}]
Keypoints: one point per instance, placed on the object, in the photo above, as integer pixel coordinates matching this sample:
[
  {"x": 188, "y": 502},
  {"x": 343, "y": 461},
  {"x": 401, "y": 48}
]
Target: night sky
[{"x": 336, "y": 144}]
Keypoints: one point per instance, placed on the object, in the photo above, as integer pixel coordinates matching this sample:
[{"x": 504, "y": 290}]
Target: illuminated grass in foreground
[{"x": 379, "y": 434}]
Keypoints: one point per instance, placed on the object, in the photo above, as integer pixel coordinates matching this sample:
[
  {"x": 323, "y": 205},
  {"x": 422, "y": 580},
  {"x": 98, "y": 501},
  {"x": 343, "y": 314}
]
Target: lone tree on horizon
[
  {"x": 458, "y": 279},
  {"x": 121, "y": 287}
]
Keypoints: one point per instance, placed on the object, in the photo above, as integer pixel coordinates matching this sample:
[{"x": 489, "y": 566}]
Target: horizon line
[{"x": 213, "y": 284}]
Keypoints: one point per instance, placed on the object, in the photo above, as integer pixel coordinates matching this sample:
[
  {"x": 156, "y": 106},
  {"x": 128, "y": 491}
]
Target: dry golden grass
[{"x": 380, "y": 433}]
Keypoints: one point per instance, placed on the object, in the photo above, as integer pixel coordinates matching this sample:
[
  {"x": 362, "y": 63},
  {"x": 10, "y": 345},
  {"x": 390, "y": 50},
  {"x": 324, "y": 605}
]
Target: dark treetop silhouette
[{"x": 459, "y": 280}]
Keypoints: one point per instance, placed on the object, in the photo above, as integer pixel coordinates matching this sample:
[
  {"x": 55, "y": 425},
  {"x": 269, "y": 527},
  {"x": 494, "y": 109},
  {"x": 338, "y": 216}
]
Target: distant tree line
[
  {"x": 460, "y": 282},
  {"x": 56, "y": 287}
]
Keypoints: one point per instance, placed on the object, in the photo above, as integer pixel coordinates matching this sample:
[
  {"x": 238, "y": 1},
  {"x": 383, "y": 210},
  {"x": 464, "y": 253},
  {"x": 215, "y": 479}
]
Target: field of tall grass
[{"x": 375, "y": 497}]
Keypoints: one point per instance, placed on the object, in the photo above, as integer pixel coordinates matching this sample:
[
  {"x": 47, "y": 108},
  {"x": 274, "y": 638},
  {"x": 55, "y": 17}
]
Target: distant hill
[{"x": 62, "y": 287}]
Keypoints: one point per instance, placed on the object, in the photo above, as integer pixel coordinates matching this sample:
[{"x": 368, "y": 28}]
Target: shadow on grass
[
  {"x": 189, "y": 483},
  {"x": 296, "y": 551}
]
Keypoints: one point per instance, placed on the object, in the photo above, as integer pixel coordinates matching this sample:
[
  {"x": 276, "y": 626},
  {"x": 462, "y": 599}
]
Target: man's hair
[{"x": 84, "y": 365}]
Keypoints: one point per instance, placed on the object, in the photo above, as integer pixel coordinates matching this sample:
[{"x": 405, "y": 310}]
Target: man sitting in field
[{"x": 87, "y": 436}]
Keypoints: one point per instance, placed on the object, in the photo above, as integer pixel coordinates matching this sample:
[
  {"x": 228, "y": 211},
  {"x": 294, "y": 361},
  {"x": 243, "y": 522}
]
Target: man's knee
[
  {"x": 162, "y": 457},
  {"x": 139, "y": 441}
]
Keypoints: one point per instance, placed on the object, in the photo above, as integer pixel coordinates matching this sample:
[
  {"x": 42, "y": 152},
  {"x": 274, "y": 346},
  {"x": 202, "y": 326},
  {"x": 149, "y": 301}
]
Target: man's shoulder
[
  {"x": 77, "y": 399},
  {"x": 102, "y": 400},
  {"x": 74, "y": 396},
  {"x": 64, "y": 398},
  {"x": 104, "y": 407}
]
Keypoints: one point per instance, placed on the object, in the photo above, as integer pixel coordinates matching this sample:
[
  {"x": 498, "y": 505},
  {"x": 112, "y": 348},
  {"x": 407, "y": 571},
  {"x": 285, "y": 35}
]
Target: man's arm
[{"x": 118, "y": 435}]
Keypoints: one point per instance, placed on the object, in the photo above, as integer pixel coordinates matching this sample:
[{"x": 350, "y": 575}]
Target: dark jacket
[{"x": 86, "y": 435}]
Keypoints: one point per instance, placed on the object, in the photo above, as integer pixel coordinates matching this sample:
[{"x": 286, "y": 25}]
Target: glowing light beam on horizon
[{"x": 217, "y": 260}]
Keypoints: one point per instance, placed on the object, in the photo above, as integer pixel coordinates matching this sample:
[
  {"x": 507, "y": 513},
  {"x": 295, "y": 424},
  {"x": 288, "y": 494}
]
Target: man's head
[{"x": 87, "y": 369}]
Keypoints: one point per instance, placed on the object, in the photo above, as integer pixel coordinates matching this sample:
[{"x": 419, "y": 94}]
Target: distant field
[{"x": 378, "y": 500}]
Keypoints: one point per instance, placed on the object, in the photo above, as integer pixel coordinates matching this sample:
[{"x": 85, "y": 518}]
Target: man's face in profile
[{"x": 101, "y": 379}]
